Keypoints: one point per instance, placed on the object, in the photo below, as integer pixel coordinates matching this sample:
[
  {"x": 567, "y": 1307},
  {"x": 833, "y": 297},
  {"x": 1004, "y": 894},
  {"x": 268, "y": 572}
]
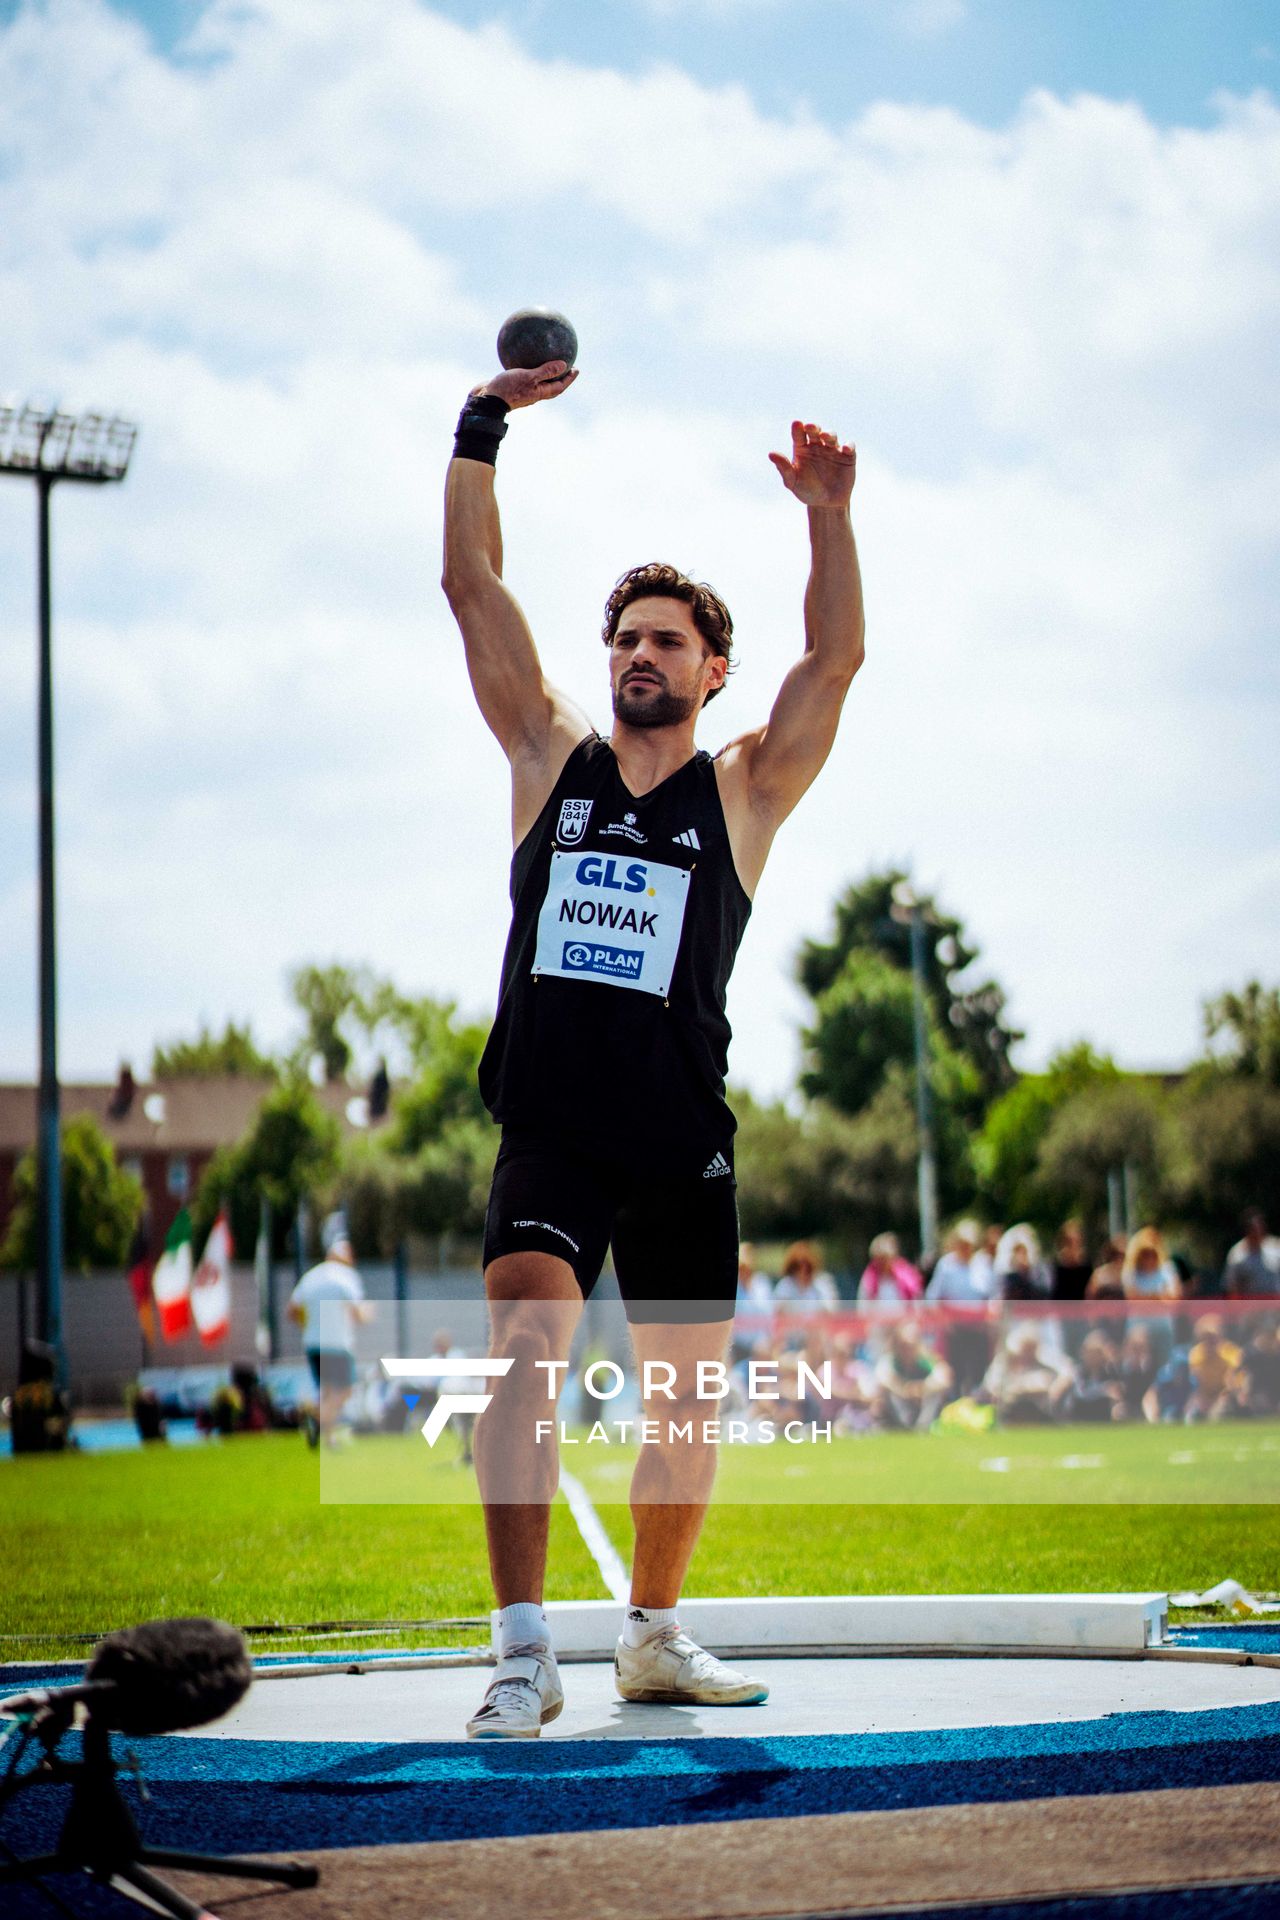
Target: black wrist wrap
[{"x": 481, "y": 429}]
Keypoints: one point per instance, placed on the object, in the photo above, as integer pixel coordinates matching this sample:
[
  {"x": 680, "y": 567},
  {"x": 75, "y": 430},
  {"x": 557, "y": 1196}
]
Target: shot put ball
[{"x": 535, "y": 335}]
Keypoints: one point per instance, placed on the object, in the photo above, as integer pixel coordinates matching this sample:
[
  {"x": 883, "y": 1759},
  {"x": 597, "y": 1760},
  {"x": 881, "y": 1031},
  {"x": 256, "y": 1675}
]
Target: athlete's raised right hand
[{"x": 525, "y": 386}]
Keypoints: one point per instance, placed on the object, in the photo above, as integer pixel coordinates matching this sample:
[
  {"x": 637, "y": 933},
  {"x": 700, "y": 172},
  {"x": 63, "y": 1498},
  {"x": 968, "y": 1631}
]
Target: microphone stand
[{"x": 100, "y": 1836}]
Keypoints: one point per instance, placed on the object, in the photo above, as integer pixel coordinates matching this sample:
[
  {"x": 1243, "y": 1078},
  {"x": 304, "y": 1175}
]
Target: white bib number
[{"x": 612, "y": 920}]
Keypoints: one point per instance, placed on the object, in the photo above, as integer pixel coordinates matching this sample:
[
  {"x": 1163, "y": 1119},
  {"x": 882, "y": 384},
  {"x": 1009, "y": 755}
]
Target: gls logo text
[
  {"x": 446, "y": 1403},
  {"x": 594, "y": 872}
]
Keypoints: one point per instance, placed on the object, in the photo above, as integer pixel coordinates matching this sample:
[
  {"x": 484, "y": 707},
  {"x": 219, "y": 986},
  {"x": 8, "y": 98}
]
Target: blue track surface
[
  {"x": 226, "y": 1795},
  {"x": 1257, "y": 1639},
  {"x": 267, "y": 1796}
]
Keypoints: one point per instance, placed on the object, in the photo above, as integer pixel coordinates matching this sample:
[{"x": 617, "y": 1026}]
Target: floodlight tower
[
  {"x": 48, "y": 445},
  {"x": 909, "y": 909}
]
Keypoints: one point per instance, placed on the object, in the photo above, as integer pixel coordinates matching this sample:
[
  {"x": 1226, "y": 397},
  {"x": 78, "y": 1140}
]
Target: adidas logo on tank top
[{"x": 688, "y": 838}]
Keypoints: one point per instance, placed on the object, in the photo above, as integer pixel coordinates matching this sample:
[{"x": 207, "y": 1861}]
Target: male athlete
[{"x": 636, "y": 858}]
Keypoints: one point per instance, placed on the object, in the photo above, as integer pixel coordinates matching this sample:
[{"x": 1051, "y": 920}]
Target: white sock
[
  {"x": 641, "y": 1623},
  {"x": 522, "y": 1625}
]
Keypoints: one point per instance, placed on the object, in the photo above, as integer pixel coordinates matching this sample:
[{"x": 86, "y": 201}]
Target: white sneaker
[
  {"x": 672, "y": 1669},
  {"x": 522, "y": 1696}
]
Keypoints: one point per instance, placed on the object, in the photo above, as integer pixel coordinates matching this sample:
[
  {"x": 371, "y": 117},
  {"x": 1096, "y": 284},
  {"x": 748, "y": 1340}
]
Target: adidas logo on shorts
[
  {"x": 688, "y": 839},
  {"x": 718, "y": 1166}
]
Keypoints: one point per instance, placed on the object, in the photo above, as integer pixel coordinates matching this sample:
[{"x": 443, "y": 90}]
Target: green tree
[
  {"x": 101, "y": 1204},
  {"x": 1247, "y": 1025},
  {"x": 447, "y": 1180},
  {"x": 233, "y": 1051},
  {"x": 970, "y": 1015},
  {"x": 1104, "y": 1126},
  {"x": 1229, "y": 1155},
  {"x": 861, "y": 1048},
  {"x": 443, "y": 1058},
  {"x": 333, "y": 1002},
  {"x": 844, "y": 1177},
  {"x": 288, "y": 1154},
  {"x": 441, "y": 1187},
  {"x": 1007, "y": 1151},
  {"x": 428, "y": 1170},
  {"x": 863, "y": 1019}
]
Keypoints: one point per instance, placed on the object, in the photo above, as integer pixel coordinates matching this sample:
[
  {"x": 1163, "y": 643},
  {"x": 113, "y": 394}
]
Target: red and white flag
[
  {"x": 171, "y": 1281},
  {"x": 211, "y": 1286}
]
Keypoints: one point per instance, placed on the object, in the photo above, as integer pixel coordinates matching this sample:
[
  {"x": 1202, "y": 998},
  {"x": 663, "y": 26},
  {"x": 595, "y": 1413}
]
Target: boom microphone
[{"x": 160, "y": 1677}]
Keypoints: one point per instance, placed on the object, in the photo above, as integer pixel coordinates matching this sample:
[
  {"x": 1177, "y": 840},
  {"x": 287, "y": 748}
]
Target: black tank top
[{"x": 627, "y": 914}]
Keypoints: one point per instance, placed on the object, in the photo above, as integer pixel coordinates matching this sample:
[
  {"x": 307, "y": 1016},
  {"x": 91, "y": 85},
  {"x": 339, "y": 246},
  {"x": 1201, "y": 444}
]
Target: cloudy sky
[{"x": 1025, "y": 252}]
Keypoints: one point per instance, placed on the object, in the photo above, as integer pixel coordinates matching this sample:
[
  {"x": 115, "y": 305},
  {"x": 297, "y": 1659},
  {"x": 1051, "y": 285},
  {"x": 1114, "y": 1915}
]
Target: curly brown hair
[{"x": 710, "y": 615}]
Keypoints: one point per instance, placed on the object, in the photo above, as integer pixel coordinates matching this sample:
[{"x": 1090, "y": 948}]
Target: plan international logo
[{"x": 615, "y": 963}]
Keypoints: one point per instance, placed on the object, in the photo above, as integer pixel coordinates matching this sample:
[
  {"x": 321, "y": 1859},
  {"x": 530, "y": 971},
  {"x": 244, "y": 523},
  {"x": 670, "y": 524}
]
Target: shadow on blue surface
[{"x": 272, "y": 1796}]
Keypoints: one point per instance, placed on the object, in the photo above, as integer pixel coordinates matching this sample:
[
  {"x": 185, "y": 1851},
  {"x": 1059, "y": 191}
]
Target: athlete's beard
[{"x": 664, "y": 708}]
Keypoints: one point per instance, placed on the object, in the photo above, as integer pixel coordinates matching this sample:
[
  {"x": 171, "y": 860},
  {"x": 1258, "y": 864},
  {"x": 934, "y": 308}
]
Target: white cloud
[
  {"x": 289, "y": 251},
  {"x": 918, "y": 19}
]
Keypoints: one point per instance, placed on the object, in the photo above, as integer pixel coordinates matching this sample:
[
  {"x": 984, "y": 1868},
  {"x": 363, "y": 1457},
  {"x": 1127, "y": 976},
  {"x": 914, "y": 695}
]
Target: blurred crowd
[{"x": 995, "y": 1331}]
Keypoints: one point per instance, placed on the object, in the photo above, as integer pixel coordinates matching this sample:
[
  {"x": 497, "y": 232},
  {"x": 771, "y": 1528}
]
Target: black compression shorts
[{"x": 674, "y": 1236}]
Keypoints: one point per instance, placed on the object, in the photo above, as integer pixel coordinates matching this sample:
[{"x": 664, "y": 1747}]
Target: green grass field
[
  {"x": 239, "y": 1529},
  {"x": 1118, "y": 1466}
]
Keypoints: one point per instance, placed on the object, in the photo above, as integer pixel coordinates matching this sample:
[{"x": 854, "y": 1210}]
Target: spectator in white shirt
[
  {"x": 954, "y": 1279},
  {"x": 802, "y": 1284},
  {"x": 957, "y": 1276},
  {"x": 328, "y": 1303},
  {"x": 1252, "y": 1269}
]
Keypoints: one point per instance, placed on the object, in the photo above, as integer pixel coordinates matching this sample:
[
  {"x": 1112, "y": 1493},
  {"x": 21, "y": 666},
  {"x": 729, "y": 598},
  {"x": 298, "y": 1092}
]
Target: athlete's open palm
[
  {"x": 525, "y": 386},
  {"x": 820, "y": 471}
]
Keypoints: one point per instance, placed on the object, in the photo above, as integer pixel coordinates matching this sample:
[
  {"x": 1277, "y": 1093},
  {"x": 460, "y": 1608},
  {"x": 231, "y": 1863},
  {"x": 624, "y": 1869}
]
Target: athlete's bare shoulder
[
  {"x": 539, "y": 758},
  {"x": 750, "y": 827}
]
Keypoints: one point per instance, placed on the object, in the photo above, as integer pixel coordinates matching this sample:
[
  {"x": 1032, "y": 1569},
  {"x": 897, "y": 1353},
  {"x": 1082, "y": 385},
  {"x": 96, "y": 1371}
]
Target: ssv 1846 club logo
[{"x": 574, "y": 815}]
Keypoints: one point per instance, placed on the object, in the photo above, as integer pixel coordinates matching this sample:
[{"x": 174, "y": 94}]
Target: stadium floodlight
[
  {"x": 48, "y": 445},
  {"x": 64, "y": 446}
]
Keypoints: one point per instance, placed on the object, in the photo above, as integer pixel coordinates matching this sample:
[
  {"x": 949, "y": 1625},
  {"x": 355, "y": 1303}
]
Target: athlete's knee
[
  {"x": 529, "y": 1279},
  {"x": 529, "y": 1343}
]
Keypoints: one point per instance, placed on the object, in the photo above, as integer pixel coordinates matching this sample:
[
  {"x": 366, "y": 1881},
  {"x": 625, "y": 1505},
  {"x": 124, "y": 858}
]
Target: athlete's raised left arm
[{"x": 778, "y": 763}]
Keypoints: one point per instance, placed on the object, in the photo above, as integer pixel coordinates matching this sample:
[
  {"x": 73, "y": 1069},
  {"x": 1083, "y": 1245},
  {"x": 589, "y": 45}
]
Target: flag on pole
[
  {"x": 171, "y": 1281},
  {"x": 211, "y": 1285}
]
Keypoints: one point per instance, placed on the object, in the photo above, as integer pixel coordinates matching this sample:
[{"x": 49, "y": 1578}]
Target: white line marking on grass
[
  {"x": 1182, "y": 1459},
  {"x": 595, "y": 1539},
  {"x": 998, "y": 1463},
  {"x": 1082, "y": 1460}
]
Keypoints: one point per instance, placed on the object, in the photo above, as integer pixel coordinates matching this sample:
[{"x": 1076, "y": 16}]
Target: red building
[{"x": 165, "y": 1133}]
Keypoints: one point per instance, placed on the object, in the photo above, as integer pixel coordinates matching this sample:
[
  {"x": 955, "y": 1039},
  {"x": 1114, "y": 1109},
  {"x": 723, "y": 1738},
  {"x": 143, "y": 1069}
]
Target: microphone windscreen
[{"x": 171, "y": 1674}]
